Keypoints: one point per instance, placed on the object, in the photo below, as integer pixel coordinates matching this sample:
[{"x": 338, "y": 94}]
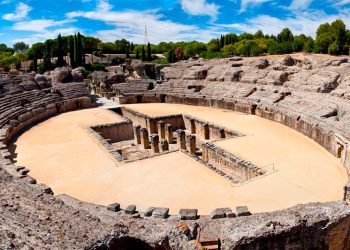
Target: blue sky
[{"x": 36, "y": 20}]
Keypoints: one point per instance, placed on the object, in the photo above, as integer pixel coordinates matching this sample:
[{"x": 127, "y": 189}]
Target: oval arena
[{"x": 244, "y": 150}]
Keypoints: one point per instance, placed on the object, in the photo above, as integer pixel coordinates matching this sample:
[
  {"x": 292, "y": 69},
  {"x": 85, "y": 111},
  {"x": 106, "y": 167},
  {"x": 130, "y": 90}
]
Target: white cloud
[
  {"x": 20, "y": 13},
  {"x": 200, "y": 8},
  {"x": 300, "y": 4},
  {"x": 37, "y": 37},
  {"x": 305, "y": 22},
  {"x": 342, "y": 2},
  {"x": 246, "y": 3},
  {"x": 39, "y": 25},
  {"x": 131, "y": 24}
]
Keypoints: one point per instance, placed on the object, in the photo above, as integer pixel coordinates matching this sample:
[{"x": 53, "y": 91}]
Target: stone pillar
[
  {"x": 144, "y": 138},
  {"x": 137, "y": 134},
  {"x": 155, "y": 143},
  {"x": 164, "y": 145},
  {"x": 193, "y": 126},
  {"x": 191, "y": 144},
  {"x": 169, "y": 133},
  {"x": 161, "y": 129},
  {"x": 181, "y": 139},
  {"x": 206, "y": 133}
]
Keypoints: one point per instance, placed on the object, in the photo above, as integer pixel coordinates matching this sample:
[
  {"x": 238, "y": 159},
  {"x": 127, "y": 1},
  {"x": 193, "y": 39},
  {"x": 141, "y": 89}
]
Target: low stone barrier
[{"x": 232, "y": 166}]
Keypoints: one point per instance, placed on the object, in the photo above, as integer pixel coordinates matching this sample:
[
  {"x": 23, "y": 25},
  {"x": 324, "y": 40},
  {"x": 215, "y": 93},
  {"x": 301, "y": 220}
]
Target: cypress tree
[
  {"x": 78, "y": 50},
  {"x": 149, "y": 52},
  {"x": 143, "y": 55},
  {"x": 47, "y": 57},
  {"x": 127, "y": 54},
  {"x": 60, "y": 53},
  {"x": 71, "y": 51},
  {"x": 137, "y": 54},
  {"x": 35, "y": 62},
  {"x": 81, "y": 50},
  {"x": 132, "y": 47}
]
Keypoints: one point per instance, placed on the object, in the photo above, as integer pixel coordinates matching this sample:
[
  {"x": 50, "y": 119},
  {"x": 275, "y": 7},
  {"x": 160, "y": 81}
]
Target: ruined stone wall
[
  {"x": 116, "y": 132},
  {"x": 151, "y": 123},
  {"x": 207, "y": 131},
  {"x": 136, "y": 117},
  {"x": 176, "y": 121},
  {"x": 232, "y": 166}
]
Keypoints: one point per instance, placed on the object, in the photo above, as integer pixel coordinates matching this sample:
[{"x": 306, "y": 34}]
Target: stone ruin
[{"x": 307, "y": 93}]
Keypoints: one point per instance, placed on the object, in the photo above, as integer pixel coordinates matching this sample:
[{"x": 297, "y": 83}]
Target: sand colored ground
[{"x": 62, "y": 154}]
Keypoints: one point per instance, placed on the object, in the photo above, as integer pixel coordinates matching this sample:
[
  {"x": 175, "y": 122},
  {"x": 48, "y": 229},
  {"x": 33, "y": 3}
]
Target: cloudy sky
[{"x": 167, "y": 20}]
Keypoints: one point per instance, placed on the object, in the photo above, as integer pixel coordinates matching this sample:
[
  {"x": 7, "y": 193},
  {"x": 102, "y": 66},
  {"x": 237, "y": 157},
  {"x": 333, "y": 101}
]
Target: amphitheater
[{"x": 235, "y": 153}]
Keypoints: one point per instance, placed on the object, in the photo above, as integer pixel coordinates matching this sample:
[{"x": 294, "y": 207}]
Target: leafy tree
[
  {"x": 120, "y": 46},
  {"x": 60, "y": 52},
  {"x": 3, "y": 47},
  {"x": 20, "y": 47},
  {"x": 259, "y": 34},
  {"x": 213, "y": 45},
  {"x": 38, "y": 49},
  {"x": 90, "y": 44},
  {"x": 334, "y": 49},
  {"x": 322, "y": 42},
  {"x": 338, "y": 28},
  {"x": 280, "y": 48},
  {"x": 194, "y": 48},
  {"x": 309, "y": 45},
  {"x": 107, "y": 48},
  {"x": 285, "y": 35},
  {"x": 247, "y": 48}
]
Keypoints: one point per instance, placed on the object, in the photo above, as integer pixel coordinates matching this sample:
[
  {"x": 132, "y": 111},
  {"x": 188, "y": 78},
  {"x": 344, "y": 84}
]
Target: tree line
[{"x": 331, "y": 38}]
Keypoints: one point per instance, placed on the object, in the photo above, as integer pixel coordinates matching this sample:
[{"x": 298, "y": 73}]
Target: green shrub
[
  {"x": 280, "y": 48},
  {"x": 97, "y": 67},
  {"x": 334, "y": 49},
  {"x": 161, "y": 61}
]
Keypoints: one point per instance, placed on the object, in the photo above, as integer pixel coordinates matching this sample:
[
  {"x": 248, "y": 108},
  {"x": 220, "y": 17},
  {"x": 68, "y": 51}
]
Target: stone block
[
  {"x": 137, "y": 134},
  {"x": 242, "y": 211},
  {"x": 188, "y": 214},
  {"x": 222, "y": 213},
  {"x": 24, "y": 171},
  {"x": 217, "y": 213},
  {"x": 131, "y": 209},
  {"x": 160, "y": 212},
  {"x": 115, "y": 207},
  {"x": 149, "y": 211},
  {"x": 18, "y": 168}
]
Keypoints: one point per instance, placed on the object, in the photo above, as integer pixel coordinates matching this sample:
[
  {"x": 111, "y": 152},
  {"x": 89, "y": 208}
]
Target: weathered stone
[
  {"x": 222, "y": 213},
  {"x": 242, "y": 211},
  {"x": 149, "y": 211},
  {"x": 160, "y": 212},
  {"x": 115, "y": 207},
  {"x": 131, "y": 209},
  {"x": 188, "y": 214},
  {"x": 155, "y": 143}
]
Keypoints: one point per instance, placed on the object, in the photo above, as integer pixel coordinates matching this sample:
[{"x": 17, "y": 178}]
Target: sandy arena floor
[{"x": 62, "y": 154}]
